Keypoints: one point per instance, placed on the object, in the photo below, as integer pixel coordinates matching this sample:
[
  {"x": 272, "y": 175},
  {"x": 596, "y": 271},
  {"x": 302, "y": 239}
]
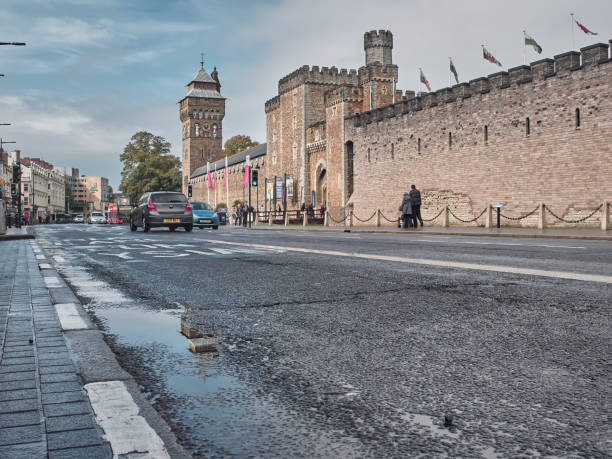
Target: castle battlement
[
  {"x": 376, "y": 70},
  {"x": 588, "y": 59},
  {"x": 377, "y": 38},
  {"x": 273, "y": 104},
  {"x": 315, "y": 75}
]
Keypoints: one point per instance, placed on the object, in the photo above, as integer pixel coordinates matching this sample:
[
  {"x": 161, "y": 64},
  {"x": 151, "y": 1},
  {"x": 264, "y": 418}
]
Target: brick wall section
[{"x": 555, "y": 162}]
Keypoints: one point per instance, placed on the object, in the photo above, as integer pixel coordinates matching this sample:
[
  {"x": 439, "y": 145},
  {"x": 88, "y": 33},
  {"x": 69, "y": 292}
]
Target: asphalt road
[{"x": 357, "y": 345}]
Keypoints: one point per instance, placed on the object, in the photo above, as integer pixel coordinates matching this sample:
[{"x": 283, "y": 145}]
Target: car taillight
[
  {"x": 188, "y": 206},
  {"x": 150, "y": 205}
]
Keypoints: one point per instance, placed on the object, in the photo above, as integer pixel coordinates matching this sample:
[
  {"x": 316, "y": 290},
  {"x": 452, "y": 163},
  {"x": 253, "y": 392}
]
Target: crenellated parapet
[
  {"x": 378, "y": 46},
  {"x": 378, "y": 72},
  {"x": 588, "y": 59},
  {"x": 273, "y": 104},
  {"x": 316, "y": 75}
]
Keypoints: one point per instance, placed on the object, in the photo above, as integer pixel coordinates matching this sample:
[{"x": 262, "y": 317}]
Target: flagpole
[
  {"x": 450, "y": 83},
  {"x": 215, "y": 185},
  {"x": 524, "y": 48},
  {"x": 208, "y": 178},
  {"x": 227, "y": 204},
  {"x": 572, "y": 26}
]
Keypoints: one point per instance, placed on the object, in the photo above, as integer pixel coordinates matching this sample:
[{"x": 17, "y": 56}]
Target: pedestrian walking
[
  {"x": 237, "y": 216},
  {"x": 406, "y": 209},
  {"x": 322, "y": 210},
  {"x": 415, "y": 198},
  {"x": 245, "y": 215},
  {"x": 27, "y": 219}
]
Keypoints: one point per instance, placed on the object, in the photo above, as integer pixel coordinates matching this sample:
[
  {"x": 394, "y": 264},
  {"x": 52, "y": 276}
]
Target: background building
[{"x": 91, "y": 193}]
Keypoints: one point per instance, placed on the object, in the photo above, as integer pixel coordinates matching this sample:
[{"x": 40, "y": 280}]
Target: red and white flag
[
  {"x": 584, "y": 29},
  {"x": 247, "y": 163}
]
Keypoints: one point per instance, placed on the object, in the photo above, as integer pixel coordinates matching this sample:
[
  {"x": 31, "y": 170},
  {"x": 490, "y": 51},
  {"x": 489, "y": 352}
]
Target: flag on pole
[
  {"x": 225, "y": 178},
  {"x": 489, "y": 57},
  {"x": 584, "y": 29},
  {"x": 424, "y": 80},
  {"x": 208, "y": 176},
  {"x": 247, "y": 163},
  {"x": 453, "y": 70},
  {"x": 529, "y": 41}
]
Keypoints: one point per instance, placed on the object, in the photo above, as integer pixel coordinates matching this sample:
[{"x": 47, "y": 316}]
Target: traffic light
[
  {"x": 13, "y": 189},
  {"x": 189, "y": 191},
  {"x": 16, "y": 173},
  {"x": 254, "y": 177}
]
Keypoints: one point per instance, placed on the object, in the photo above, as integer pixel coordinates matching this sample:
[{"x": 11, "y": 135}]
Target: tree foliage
[
  {"x": 148, "y": 166},
  {"x": 237, "y": 144}
]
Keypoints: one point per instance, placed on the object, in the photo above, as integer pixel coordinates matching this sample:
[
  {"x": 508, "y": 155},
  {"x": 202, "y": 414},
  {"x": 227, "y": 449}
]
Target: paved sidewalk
[
  {"x": 594, "y": 234},
  {"x": 13, "y": 233},
  {"x": 62, "y": 392},
  {"x": 44, "y": 411}
]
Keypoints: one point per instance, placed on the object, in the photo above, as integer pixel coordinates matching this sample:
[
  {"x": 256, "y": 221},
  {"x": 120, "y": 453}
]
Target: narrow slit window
[
  {"x": 527, "y": 126},
  {"x": 450, "y": 140},
  {"x": 419, "y": 145},
  {"x": 368, "y": 155},
  {"x": 392, "y": 151},
  {"x": 577, "y": 118},
  {"x": 486, "y": 133}
]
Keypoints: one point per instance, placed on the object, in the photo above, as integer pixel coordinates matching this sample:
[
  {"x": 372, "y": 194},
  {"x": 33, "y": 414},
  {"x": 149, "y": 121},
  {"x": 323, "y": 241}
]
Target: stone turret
[{"x": 378, "y": 46}]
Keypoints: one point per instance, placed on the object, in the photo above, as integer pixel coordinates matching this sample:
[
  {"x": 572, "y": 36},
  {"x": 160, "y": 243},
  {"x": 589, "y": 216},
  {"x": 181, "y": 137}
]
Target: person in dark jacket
[
  {"x": 415, "y": 198},
  {"x": 406, "y": 209}
]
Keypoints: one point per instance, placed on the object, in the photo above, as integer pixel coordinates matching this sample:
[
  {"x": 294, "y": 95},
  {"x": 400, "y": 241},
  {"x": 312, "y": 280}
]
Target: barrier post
[
  {"x": 351, "y": 219},
  {"x": 305, "y": 218},
  {"x": 542, "y": 216},
  {"x": 270, "y": 218},
  {"x": 326, "y": 219},
  {"x": 377, "y": 218},
  {"x": 445, "y": 219},
  {"x": 286, "y": 217},
  {"x": 605, "y": 216},
  {"x": 489, "y": 217}
]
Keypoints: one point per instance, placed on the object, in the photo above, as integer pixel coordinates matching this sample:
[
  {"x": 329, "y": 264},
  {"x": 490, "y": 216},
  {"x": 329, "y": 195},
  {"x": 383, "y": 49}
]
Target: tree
[
  {"x": 110, "y": 194},
  {"x": 148, "y": 166},
  {"x": 237, "y": 144}
]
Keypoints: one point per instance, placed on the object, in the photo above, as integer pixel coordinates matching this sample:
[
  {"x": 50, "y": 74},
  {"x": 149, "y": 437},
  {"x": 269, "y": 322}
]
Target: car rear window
[
  {"x": 168, "y": 197},
  {"x": 200, "y": 206},
  {"x": 96, "y": 214}
]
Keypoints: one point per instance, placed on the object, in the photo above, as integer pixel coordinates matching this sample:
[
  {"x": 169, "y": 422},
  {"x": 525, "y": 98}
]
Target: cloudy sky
[{"x": 94, "y": 72}]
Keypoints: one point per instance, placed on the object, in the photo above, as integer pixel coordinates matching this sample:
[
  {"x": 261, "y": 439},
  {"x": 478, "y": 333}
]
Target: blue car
[{"x": 204, "y": 216}]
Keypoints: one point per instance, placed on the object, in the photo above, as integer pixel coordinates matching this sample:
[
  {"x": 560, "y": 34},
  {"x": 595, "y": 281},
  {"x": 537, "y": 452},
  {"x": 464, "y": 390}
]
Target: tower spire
[{"x": 202, "y": 61}]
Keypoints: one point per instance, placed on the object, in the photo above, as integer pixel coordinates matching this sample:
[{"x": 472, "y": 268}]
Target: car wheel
[
  {"x": 215, "y": 227},
  {"x": 188, "y": 228},
  {"x": 146, "y": 226},
  {"x": 172, "y": 228},
  {"x": 133, "y": 227}
]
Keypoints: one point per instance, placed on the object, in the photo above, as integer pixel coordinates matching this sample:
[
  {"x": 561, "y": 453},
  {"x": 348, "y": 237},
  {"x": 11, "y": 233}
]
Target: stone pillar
[
  {"x": 489, "y": 217},
  {"x": 351, "y": 219},
  {"x": 305, "y": 218},
  {"x": 605, "y": 216},
  {"x": 286, "y": 217},
  {"x": 270, "y": 218},
  {"x": 542, "y": 217},
  {"x": 377, "y": 218},
  {"x": 445, "y": 219},
  {"x": 326, "y": 219}
]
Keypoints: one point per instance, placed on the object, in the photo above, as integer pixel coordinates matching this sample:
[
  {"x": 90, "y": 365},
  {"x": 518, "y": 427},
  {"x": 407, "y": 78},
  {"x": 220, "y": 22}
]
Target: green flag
[
  {"x": 454, "y": 70},
  {"x": 529, "y": 41}
]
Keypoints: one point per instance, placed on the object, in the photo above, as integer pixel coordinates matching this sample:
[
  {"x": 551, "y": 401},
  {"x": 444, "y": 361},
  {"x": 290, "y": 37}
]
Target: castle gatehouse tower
[{"x": 201, "y": 111}]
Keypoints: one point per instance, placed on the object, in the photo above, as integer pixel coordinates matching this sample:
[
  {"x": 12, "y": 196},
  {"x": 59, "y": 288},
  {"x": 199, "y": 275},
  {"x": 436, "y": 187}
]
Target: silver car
[
  {"x": 162, "y": 208},
  {"x": 96, "y": 217}
]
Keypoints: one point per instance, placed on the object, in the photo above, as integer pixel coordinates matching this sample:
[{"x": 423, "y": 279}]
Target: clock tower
[{"x": 201, "y": 111}]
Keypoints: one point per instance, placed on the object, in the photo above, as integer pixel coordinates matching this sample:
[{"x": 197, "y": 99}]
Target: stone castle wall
[{"x": 538, "y": 133}]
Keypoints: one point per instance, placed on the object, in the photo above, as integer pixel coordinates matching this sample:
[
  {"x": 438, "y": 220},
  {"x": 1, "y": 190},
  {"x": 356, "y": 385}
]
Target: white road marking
[
  {"x": 456, "y": 241},
  {"x": 440, "y": 263},
  {"x": 51, "y": 282},
  {"x": 199, "y": 252},
  {"x": 122, "y": 255},
  {"x": 40, "y": 257},
  {"x": 118, "y": 415},
  {"x": 69, "y": 317}
]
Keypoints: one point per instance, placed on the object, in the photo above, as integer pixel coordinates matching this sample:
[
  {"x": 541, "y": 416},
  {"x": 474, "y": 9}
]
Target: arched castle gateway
[{"x": 536, "y": 133}]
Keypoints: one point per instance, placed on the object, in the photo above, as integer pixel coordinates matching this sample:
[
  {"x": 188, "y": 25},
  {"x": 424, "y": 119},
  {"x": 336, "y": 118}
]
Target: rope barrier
[
  {"x": 342, "y": 220},
  {"x": 432, "y": 219},
  {"x": 363, "y": 221},
  {"x": 580, "y": 220},
  {"x": 467, "y": 221},
  {"x": 385, "y": 218},
  {"x": 522, "y": 217}
]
